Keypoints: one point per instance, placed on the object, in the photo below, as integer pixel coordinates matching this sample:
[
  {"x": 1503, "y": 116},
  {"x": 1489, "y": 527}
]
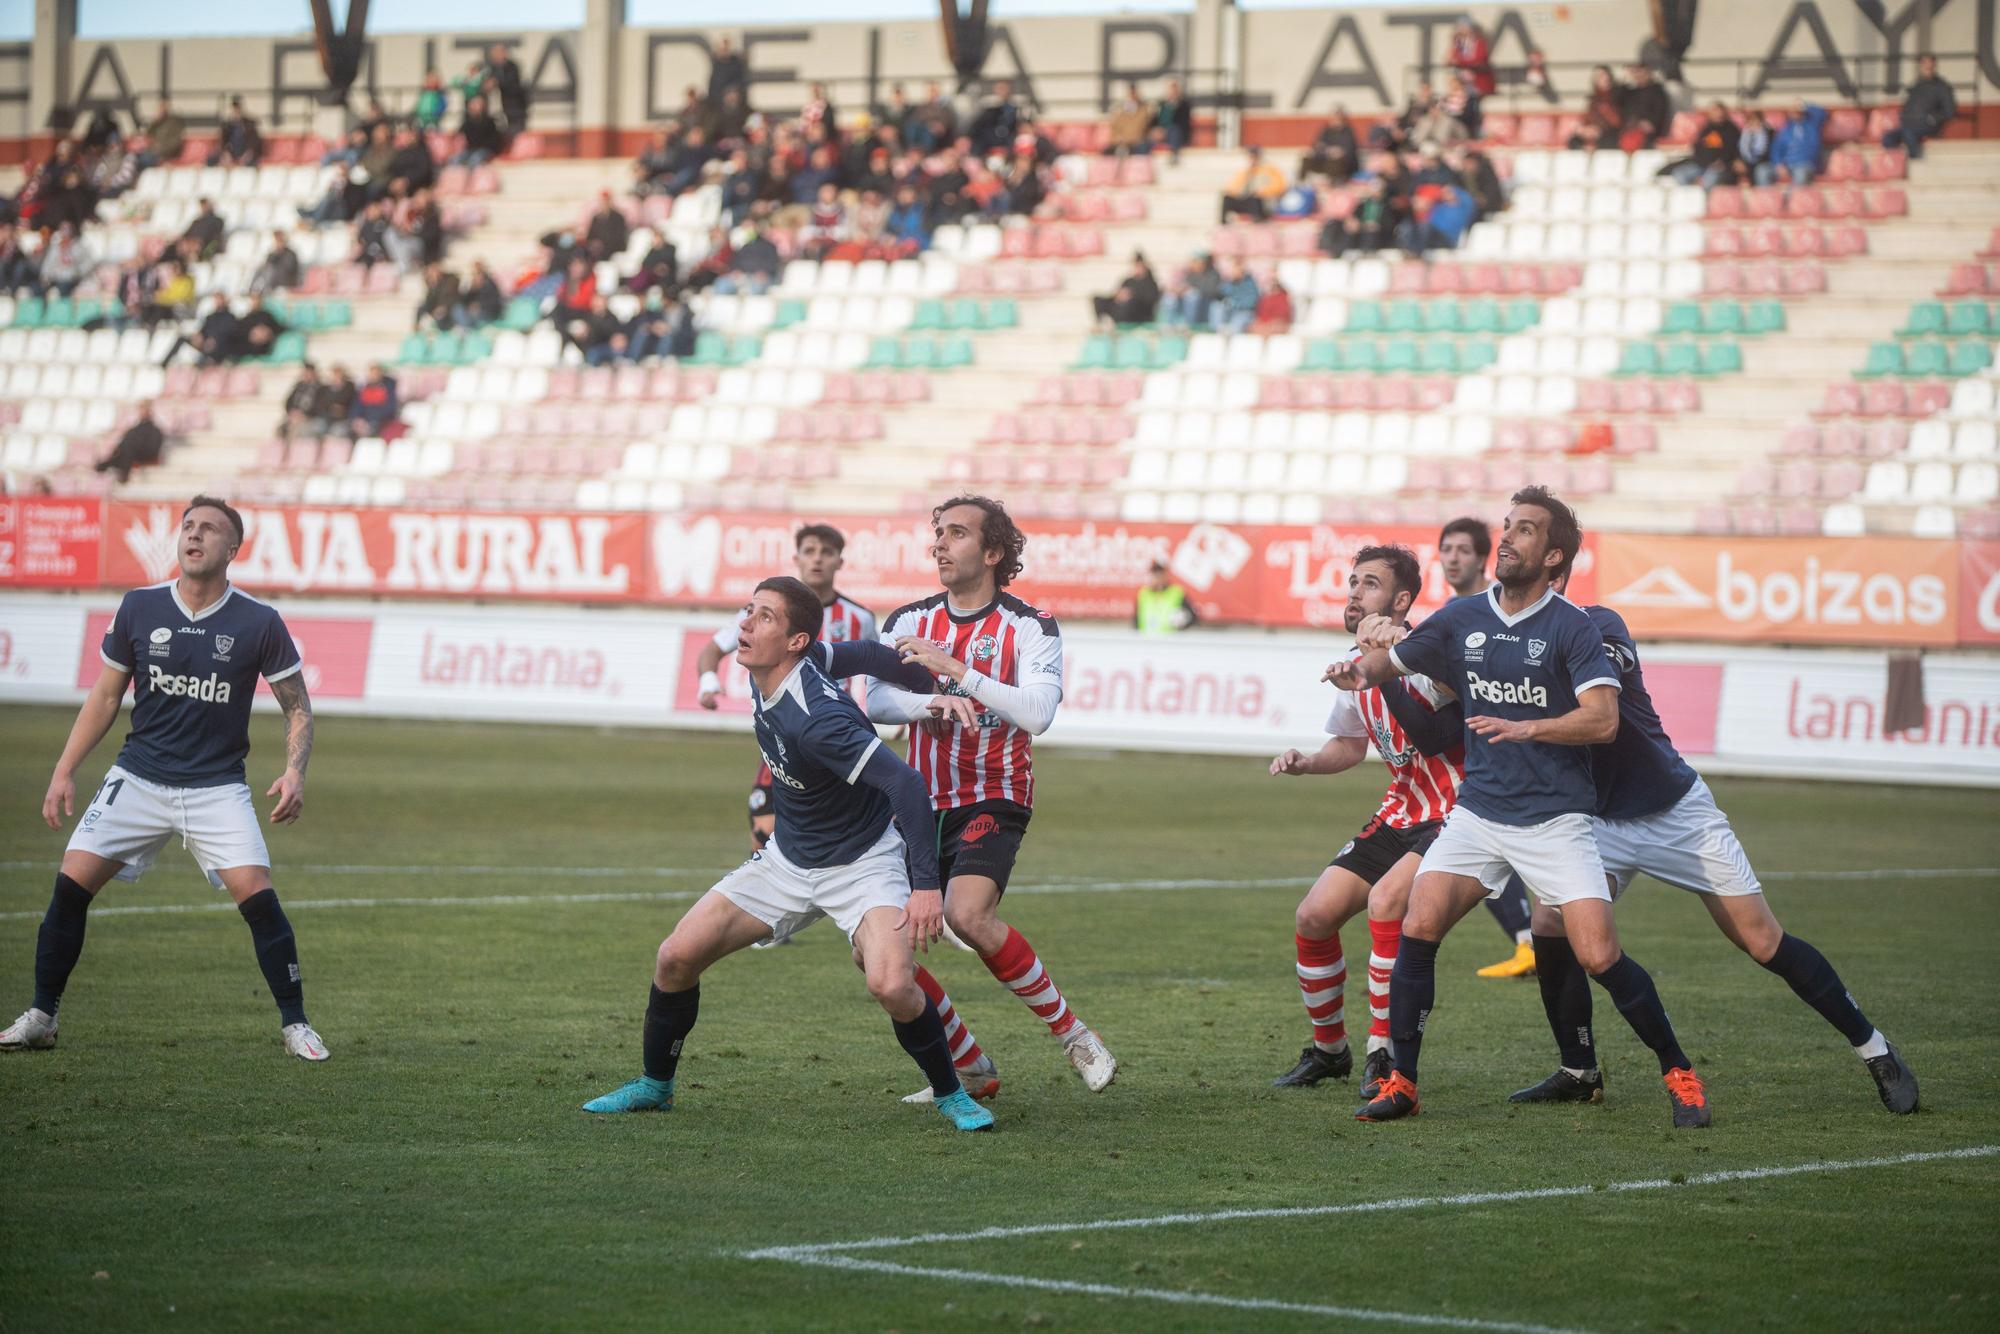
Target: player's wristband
[{"x": 710, "y": 684}]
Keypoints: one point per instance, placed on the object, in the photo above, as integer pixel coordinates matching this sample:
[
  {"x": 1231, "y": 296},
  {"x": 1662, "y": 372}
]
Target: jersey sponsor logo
[
  {"x": 210, "y": 689},
  {"x": 193, "y": 630},
  {"x": 161, "y": 635},
  {"x": 1475, "y": 639},
  {"x": 162, "y": 643},
  {"x": 1523, "y": 691},
  {"x": 778, "y": 772},
  {"x": 979, "y": 828}
]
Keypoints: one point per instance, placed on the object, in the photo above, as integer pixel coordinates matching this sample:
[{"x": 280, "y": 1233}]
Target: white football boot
[
  {"x": 980, "y": 1080},
  {"x": 34, "y": 1030},
  {"x": 302, "y": 1042},
  {"x": 1092, "y": 1059}
]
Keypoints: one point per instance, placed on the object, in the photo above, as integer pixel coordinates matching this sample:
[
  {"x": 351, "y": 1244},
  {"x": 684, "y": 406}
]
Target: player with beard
[{"x": 1376, "y": 867}]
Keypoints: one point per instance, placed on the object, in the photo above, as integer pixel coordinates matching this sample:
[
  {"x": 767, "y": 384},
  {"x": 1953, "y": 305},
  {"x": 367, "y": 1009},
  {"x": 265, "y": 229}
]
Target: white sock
[
  {"x": 1334, "y": 1050},
  {"x": 1376, "y": 1044},
  {"x": 1575, "y": 1073},
  {"x": 1524, "y": 937},
  {"x": 1877, "y": 1045}
]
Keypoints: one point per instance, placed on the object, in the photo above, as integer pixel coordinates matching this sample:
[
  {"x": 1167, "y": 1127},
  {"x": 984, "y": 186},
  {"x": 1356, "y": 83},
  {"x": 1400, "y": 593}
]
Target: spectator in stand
[
  {"x": 1930, "y": 106},
  {"x": 1240, "y": 295},
  {"x": 411, "y": 163},
  {"x": 1535, "y": 76},
  {"x": 935, "y": 124},
  {"x": 1131, "y": 127},
  {"x": 608, "y": 232},
  {"x": 1715, "y": 158},
  {"x": 998, "y": 121},
  {"x": 662, "y": 328},
  {"x": 19, "y": 271},
  {"x": 174, "y": 298},
  {"x": 1022, "y": 180},
  {"x": 1252, "y": 190},
  {"x": 659, "y": 269},
  {"x": 1427, "y": 121},
  {"x": 1462, "y": 104},
  {"x": 429, "y": 111},
  {"x": 753, "y": 267},
  {"x": 203, "y": 237},
  {"x": 281, "y": 270},
  {"x": 303, "y": 402},
  {"x": 1274, "y": 311},
  {"x": 480, "y": 300},
  {"x": 1647, "y": 112},
  {"x": 237, "y": 143},
  {"x": 1334, "y": 153},
  {"x": 1480, "y": 179},
  {"x": 578, "y": 290},
  {"x": 595, "y": 333},
  {"x": 826, "y": 225},
  {"x": 1136, "y": 300},
  {"x": 1300, "y": 200},
  {"x": 140, "y": 446},
  {"x": 505, "y": 76},
  {"x": 867, "y": 229},
  {"x": 654, "y": 164},
  {"x": 819, "y": 111},
  {"x": 471, "y": 84},
  {"x": 257, "y": 333},
  {"x": 726, "y": 70},
  {"x": 1755, "y": 145},
  {"x": 729, "y": 119},
  {"x": 1795, "y": 149},
  {"x": 1197, "y": 291},
  {"x": 375, "y": 116},
  {"x": 214, "y": 341},
  {"x": 346, "y": 153},
  {"x": 115, "y": 171},
  {"x": 1448, "y": 213},
  {"x": 479, "y": 135},
  {"x": 376, "y": 406},
  {"x": 376, "y": 162},
  {"x": 1173, "y": 121},
  {"x": 336, "y": 408},
  {"x": 166, "y": 136},
  {"x": 66, "y": 261},
  {"x": 440, "y": 302},
  {"x": 1603, "y": 113},
  {"x": 909, "y": 219},
  {"x": 689, "y": 157},
  {"x": 371, "y": 237},
  {"x": 1472, "y": 55},
  {"x": 1367, "y": 225}
]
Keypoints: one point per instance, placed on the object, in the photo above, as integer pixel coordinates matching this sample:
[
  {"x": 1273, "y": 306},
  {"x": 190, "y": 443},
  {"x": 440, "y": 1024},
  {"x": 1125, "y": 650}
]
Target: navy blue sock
[
  {"x": 923, "y": 1037},
  {"x": 1632, "y": 991},
  {"x": 1412, "y": 988},
  {"x": 1566, "y": 1000},
  {"x": 1813, "y": 978},
  {"x": 277, "y": 953},
  {"x": 59, "y": 944},
  {"x": 670, "y": 1016},
  {"x": 1510, "y": 908}
]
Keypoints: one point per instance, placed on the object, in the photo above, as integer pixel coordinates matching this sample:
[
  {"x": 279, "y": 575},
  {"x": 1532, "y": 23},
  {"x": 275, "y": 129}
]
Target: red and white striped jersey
[
  {"x": 846, "y": 622},
  {"x": 1013, "y": 643},
  {"x": 1421, "y": 787}
]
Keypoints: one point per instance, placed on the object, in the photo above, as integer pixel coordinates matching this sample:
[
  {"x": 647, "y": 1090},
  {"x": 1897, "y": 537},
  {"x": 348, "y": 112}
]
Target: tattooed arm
[{"x": 291, "y": 784}]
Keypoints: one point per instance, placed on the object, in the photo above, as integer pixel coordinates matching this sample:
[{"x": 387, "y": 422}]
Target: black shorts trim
[
  {"x": 1371, "y": 853},
  {"x": 981, "y": 839}
]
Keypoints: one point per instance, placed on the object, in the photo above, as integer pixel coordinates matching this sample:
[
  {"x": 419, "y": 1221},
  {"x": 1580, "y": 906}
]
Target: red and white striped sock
[
  {"x": 964, "y": 1050},
  {"x": 1385, "y": 939},
  {"x": 1015, "y": 964},
  {"x": 1323, "y": 981}
]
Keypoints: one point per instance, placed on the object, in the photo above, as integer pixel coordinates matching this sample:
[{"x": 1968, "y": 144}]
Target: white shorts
[
  {"x": 789, "y": 898},
  {"x": 1557, "y": 859},
  {"x": 1689, "y": 845},
  {"x": 130, "y": 819}
]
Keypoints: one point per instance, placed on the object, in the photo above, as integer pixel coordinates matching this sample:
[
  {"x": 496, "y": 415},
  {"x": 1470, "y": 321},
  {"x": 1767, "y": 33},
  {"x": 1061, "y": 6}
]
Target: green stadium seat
[
  {"x": 521, "y": 314},
  {"x": 1003, "y": 314},
  {"x": 953, "y": 351},
  {"x": 59, "y": 313},
  {"x": 477, "y": 347},
  {"x": 1404, "y": 317},
  {"x": 1926, "y": 320},
  {"x": 1322, "y": 354},
  {"x": 1131, "y": 353},
  {"x": 1969, "y": 357},
  {"x": 1360, "y": 354},
  {"x": 1683, "y": 317},
  {"x": 1926, "y": 357},
  {"x": 1521, "y": 314},
  {"x": 30, "y": 312},
  {"x": 1722, "y": 357},
  {"x": 1765, "y": 317},
  {"x": 1481, "y": 315},
  {"x": 1365, "y": 317},
  {"x": 415, "y": 351},
  {"x": 1476, "y": 354},
  {"x": 712, "y": 349},
  {"x": 1639, "y": 359},
  {"x": 1168, "y": 351},
  {"x": 1883, "y": 359},
  {"x": 1968, "y": 319},
  {"x": 929, "y": 315},
  {"x": 917, "y": 353},
  {"x": 1724, "y": 317},
  {"x": 1400, "y": 354},
  {"x": 448, "y": 349},
  {"x": 336, "y": 314},
  {"x": 745, "y": 349},
  {"x": 1680, "y": 357},
  {"x": 1096, "y": 354},
  {"x": 1439, "y": 356},
  {"x": 965, "y": 314},
  {"x": 884, "y": 354},
  {"x": 1443, "y": 316},
  {"x": 289, "y": 349}
]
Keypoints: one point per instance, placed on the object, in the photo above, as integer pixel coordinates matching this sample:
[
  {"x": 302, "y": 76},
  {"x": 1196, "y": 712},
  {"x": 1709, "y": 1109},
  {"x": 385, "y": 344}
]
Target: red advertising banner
[
  {"x": 415, "y": 553},
  {"x": 48, "y": 543},
  {"x": 335, "y": 650},
  {"x": 1979, "y": 593}
]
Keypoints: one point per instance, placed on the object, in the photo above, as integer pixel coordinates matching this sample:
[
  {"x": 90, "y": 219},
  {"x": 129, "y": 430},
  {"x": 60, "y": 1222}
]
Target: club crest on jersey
[
  {"x": 1537, "y": 647},
  {"x": 984, "y": 648},
  {"x": 223, "y": 643}
]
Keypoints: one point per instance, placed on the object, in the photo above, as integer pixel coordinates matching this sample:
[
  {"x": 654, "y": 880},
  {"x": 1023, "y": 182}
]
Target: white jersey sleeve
[
  {"x": 887, "y": 704},
  {"x": 1345, "y": 720}
]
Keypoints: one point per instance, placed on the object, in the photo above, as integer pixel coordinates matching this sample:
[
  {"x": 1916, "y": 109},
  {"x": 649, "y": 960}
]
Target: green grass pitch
[{"x": 169, "y": 1167}]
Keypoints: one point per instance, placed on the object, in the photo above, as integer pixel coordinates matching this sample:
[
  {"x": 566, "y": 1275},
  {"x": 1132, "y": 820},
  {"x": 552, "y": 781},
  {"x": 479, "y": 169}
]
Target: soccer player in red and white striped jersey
[
  {"x": 981, "y": 641},
  {"x": 1377, "y": 867},
  {"x": 818, "y": 550}
]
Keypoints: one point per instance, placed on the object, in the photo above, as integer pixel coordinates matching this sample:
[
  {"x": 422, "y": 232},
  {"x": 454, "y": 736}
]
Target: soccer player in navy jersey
[
  {"x": 1463, "y": 546},
  {"x": 191, "y": 649},
  {"x": 849, "y": 814},
  {"x": 1656, "y": 815},
  {"x": 1538, "y": 689}
]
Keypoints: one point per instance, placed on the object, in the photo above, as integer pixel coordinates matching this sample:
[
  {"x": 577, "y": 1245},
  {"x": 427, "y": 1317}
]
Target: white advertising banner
[{"x": 1805, "y": 712}]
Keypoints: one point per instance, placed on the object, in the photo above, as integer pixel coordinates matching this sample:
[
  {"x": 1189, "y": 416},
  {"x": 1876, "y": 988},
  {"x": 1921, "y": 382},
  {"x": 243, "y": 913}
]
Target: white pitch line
[
  {"x": 441, "y": 901},
  {"x": 1356, "y": 1313},
  {"x": 798, "y": 1253}
]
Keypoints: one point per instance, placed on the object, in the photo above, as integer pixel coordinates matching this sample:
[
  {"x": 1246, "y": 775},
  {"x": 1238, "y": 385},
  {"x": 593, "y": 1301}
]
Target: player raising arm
[
  {"x": 836, "y": 852},
  {"x": 191, "y": 649},
  {"x": 1538, "y": 689}
]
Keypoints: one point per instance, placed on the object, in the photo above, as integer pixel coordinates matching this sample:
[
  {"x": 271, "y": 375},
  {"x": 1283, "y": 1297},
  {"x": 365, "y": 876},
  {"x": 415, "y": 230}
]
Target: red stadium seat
[
  {"x": 1888, "y": 202},
  {"x": 1602, "y": 396},
  {"x": 1725, "y": 202},
  {"x": 1805, "y": 278},
  {"x": 1891, "y": 164},
  {"x": 1724, "y": 243},
  {"x": 1805, "y": 202},
  {"x": 1634, "y": 438}
]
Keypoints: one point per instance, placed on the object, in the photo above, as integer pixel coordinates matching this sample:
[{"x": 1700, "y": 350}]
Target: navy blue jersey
[
  {"x": 193, "y": 677},
  {"x": 817, "y": 741},
  {"x": 1530, "y": 665},
  {"x": 1638, "y": 772}
]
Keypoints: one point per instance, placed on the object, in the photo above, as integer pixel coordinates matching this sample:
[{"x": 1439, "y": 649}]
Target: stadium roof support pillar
[
  {"x": 49, "y": 70},
  {"x": 597, "y": 79},
  {"x": 1218, "y": 42}
]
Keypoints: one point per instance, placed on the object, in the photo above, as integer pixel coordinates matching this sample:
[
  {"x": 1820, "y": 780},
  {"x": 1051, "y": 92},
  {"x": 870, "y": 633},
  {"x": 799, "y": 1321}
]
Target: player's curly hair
[
  {"x": 997, "y": 532},
  {"x": 1565, "y": 533}
]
